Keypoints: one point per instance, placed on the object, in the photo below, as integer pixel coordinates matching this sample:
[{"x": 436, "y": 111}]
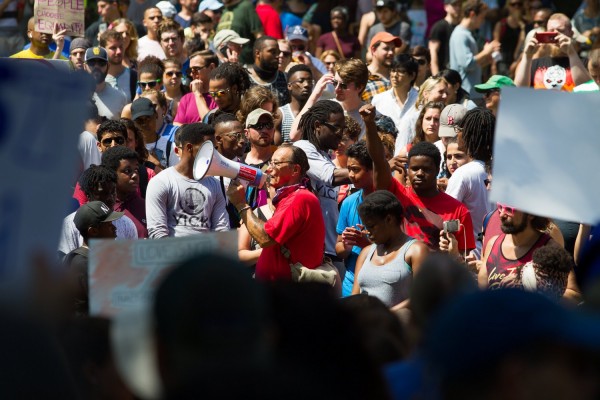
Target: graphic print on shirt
[
  {"x": 554, "y": 77},
  {"x": 192, "y": 205}
]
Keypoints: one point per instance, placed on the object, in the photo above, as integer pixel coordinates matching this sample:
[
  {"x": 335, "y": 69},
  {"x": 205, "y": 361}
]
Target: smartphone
[
  {"x": 546, "y": 37},
  {"x": 451, "y": 226},
  {"x": 223, "y": 51}
]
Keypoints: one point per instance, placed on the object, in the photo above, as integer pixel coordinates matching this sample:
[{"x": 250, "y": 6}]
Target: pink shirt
[{"x": 187, "y": 110}]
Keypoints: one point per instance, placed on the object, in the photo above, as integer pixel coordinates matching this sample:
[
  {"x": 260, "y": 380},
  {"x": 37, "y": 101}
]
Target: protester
[
  {"x": 110, "y": 101},
  {"x": 397, "y": 101},
  {"x": 228, "y": 82},
  {"x": 385, "y": 268},
  {"x": 170, "y": 35},
  {"x": 350, "y": 80},
  {"x": 118, "y": 76},
  {"x": 77, "y": 52},
  {"x": 297, "y": 222},
  {"x": 149, "y": 45},
  {"x": 439, "y": 36},
  {"x": 382, "y": 50},
  {"x": 265, "y": 70}
]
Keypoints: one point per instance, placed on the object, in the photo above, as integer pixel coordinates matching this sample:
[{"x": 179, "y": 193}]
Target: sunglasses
[
  {"x": 239, "y": 136},
  {"x": 510, "y": 211},
  {"x": 119, "y": 140},
  {"x": 341, "y": 84},
  {"x": 178, "y": 74},
  {"x": 150, "y": 84},
  {"x": 218, "y": 93},
  {"x": 96, "y": 63},
  {"x": 263, "y": 125},
  {"x": 336, "y": 129},
  {"x": 285, "y": 53},
  {"x": 195, "y": 70}
]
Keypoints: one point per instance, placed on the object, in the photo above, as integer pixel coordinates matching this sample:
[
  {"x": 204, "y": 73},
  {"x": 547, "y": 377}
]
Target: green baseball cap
[{"x": 495, "y": 82}]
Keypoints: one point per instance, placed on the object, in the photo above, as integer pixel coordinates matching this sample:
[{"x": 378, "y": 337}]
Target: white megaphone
[{"x": 209, "y": 162}]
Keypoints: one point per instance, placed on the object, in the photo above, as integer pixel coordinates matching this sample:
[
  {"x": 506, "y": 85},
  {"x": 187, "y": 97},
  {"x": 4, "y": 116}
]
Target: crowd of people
[{"x": 374, "y": 122}]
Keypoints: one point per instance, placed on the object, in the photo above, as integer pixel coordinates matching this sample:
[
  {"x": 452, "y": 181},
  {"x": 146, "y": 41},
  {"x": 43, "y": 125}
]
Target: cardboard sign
[
  {"x": 124, "y": 273},
  {"x": 42, "y": 110},
  {"x": 68, "y": 14},
  {"x": 546, "y": 149}
]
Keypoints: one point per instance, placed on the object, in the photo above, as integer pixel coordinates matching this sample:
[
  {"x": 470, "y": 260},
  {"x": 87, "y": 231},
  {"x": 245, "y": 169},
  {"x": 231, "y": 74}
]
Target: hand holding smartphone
[{"x": 546, "y": 37}]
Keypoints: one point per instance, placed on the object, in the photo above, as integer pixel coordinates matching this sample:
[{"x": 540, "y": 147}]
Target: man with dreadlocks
[
  {"x": 322, "y": 128},
  {"x": 227, "y": 84},
  {"x": 468, "y": 183},
  {"x": 99, "y": 184}
]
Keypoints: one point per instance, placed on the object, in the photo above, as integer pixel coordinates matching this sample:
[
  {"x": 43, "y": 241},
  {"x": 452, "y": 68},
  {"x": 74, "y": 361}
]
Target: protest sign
[
  {"x": 546, "y": 147},
  {"x": 124, "y": 273},
  {"x": 42, "y": 110},
  {"x": 67, "y": 14}
]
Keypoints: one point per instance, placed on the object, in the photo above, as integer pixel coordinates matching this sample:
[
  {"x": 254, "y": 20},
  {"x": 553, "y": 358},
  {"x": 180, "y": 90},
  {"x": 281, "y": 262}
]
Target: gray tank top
[{"x": 391, "y": 282}]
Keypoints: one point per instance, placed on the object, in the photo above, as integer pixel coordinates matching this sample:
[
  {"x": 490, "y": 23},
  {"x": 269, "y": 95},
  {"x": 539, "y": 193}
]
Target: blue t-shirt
[{"x": 349, "y": 217}]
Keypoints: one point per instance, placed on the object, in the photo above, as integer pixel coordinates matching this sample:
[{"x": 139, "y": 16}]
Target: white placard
[{"x": 546, "y": 152}]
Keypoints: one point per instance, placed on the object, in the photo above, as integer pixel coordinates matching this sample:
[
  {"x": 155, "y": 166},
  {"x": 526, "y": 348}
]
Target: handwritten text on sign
[{"x": 68, "y": 14}]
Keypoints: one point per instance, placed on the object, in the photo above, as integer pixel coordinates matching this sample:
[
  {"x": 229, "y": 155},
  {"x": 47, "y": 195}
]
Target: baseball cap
[
  {"x": 212, "y": 5},
  {"x": 391, "y": 4},
  {"x": 96, "y": 52},
  {"x": 80, "y": 43},
  {"x": 385, "y": 37},
  {"x": 451, "y": 116},
  {"x": 495, "y": 82},
  {"x": 225, "y": 36},
  {"x": 458, "y": 342},
  {"x": 254, "y": 116},
  {"x": 168, "y": 10},
  {"x": 296, "y": 32},
  {"x": 142, "y": 107},
  {"x": 93, "y": 213}
]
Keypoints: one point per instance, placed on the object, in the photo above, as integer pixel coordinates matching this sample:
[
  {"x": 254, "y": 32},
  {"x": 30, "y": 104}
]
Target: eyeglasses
[
  {"x": 298, "y": 47},
  {"x": 341, "y": 84},
  {"x": 239, "y": 136},
  {"x": 119, "y": 140},
  {"x": 336, "y": 129},
  {"x": 510, "y": 211},
  {"x": 263, "y": 125},
  {"x": 276, "y": 163},
  {"x": 302, "y": 81},
  {"x": 150, "y": 84},
  {"x": 178, "y": 74},
  {"x": 420, "y": 61},
  {"x": 218, "y": 93},
  {"x": 96, "y": 63},
  {"x": 195, "y": 70},
  {"x": 285, "y": 53}
]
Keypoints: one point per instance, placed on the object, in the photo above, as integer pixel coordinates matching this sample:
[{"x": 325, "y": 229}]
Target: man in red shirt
[
  {"x": 297, "y": 222},
  {"x": 425, "y": 207}
]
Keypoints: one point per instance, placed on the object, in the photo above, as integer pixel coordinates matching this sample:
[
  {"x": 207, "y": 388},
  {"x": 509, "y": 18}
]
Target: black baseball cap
[
  {"x": 142, "y": 107},
  {"x": 93, "y": 213}
]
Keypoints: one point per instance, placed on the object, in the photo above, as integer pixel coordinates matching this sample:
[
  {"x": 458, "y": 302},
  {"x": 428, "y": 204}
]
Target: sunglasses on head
[
  {"x": 150, "y": 84},
  {"x": 96, "y": 63},
  {"x": 502, "y": 208},
  {"x": 218, "y": 93},
  {"x": 263, "y": 125},
  {"x": 119, "y": 140},
  {"x": 178, "y": 74}
]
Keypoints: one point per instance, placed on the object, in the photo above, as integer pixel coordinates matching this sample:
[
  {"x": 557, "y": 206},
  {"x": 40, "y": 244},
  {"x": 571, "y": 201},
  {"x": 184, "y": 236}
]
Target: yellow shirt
[{"x": 29, "y": 54}]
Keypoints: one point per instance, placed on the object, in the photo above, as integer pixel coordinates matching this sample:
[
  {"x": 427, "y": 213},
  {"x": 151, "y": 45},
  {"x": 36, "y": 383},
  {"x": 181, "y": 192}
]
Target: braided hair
[
  {"x": 478, "y": 127},
  {"x": 321, "y": 111},
  {"x": 94, "y": 176}
]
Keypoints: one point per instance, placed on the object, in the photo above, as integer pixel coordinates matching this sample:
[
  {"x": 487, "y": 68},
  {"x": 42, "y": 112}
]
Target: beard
[
  {"x": 514, "y": 229},
  {"x": 98, "y": 75}
]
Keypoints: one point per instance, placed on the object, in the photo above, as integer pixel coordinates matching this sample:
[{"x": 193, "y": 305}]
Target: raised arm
[
  {"x": 523, "y": 71},
  {"x": 382, "y": 174}
]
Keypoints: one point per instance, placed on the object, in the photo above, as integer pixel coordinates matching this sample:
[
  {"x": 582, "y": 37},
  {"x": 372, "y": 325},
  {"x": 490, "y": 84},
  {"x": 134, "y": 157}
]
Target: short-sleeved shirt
[
  {"x": 424, "y": 216},
  {"x": 552, "y": 74},
  {"x": 270, "y": 20},
  {"x": 110, "y": 102},
  {"x": 298, "y": 225},
  {"x": 463, "y": 49},
  {"x": 321, "y": 178},
  {"x": 187, "y": 110},
  {"x": 349, "y": 44},
  {"x": 441, "y": 32},
  {"x": 243, "y": 19},
  {"x": 349, "y": 218}
]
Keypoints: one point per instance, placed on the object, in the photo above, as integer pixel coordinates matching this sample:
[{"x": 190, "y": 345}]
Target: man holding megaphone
[
  {"x": 297, "y": 222},
  {"x": 179, "y": 205}
]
